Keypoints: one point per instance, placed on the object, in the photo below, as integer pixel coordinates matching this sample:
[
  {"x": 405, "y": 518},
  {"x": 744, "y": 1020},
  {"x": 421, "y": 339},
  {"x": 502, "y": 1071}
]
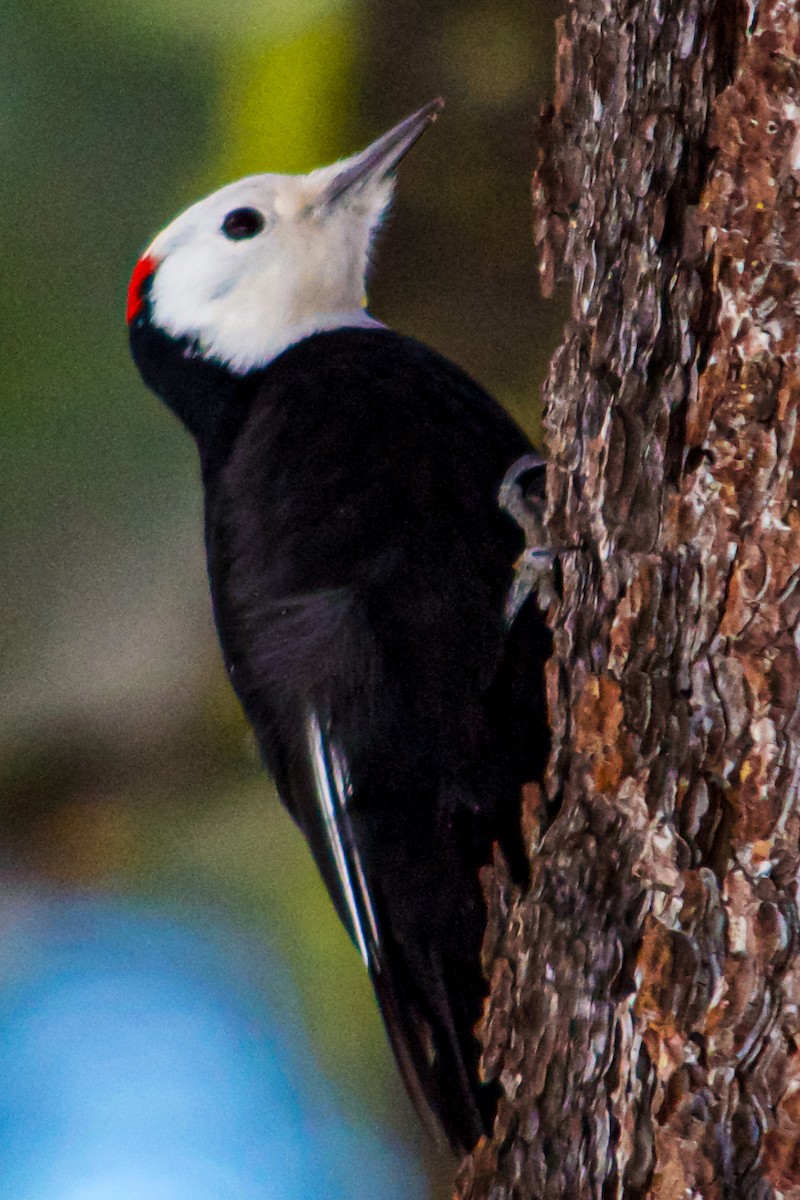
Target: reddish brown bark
[{"x": 645, "y": 990}]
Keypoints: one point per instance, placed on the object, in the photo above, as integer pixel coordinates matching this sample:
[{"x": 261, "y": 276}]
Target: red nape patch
[{"x": 142, "y": 273}]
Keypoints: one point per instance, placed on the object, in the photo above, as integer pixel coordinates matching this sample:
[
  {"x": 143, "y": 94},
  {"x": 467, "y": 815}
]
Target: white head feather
[{"x": 244, "y": 300}]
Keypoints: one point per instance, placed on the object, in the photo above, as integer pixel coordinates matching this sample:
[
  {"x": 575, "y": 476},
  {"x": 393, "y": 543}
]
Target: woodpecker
[{"x": 360, "y": 569}]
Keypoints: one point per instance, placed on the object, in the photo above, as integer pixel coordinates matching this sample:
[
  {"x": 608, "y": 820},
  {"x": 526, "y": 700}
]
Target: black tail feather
[{"x": 436, "y": 1049}]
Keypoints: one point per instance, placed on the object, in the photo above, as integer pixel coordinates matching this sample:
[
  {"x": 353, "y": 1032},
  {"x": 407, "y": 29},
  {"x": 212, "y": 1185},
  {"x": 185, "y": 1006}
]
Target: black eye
[{"x": 243, "y": 223}]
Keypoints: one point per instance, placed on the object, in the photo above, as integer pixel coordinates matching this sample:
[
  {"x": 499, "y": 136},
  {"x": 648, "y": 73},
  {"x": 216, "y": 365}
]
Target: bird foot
[{"x": 522, "y": 495}]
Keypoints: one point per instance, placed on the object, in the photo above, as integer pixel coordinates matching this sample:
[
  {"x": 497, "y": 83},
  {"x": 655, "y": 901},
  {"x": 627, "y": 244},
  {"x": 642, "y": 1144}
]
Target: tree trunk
[{"x": 645, "y": 990}]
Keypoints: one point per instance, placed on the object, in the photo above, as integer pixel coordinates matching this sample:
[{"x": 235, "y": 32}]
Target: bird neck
[
  {"x": 288, "y": 335},
  {"x": 209, "y": 399}
]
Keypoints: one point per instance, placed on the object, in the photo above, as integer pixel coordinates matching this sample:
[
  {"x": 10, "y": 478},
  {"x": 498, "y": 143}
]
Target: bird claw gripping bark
[{"x": 522, "y": 496}]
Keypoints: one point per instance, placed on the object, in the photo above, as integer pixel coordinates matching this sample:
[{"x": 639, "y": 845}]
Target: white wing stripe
[
  {"x": 329, "y": 806},
  {"x": 344, "y": 791}
]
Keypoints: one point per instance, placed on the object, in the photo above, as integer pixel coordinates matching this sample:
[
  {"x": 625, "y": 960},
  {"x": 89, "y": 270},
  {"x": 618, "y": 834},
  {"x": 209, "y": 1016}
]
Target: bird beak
[{"x": 382, "y": 156}]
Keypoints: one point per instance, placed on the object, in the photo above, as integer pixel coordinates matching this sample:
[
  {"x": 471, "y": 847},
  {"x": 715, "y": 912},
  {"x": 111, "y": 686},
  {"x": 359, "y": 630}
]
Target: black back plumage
[{"x": 359, "y": 565}]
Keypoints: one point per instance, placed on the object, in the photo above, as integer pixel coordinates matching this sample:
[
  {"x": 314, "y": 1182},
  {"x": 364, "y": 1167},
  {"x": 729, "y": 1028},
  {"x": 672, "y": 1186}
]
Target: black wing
[{"x": 359, "y": 565}]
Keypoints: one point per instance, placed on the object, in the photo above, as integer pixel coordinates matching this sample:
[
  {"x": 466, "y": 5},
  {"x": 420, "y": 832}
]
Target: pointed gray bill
[{"x": 383, "y": 155}]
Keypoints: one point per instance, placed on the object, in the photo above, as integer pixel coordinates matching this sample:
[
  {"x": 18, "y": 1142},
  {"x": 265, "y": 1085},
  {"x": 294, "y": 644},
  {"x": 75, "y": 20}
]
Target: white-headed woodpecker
[{"x": 360, "y": 570}]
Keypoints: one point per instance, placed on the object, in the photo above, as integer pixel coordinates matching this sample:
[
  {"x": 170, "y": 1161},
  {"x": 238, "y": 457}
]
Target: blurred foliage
[
  {"x": 283, "y": 102},
  {"x": 125, "y": 765}
]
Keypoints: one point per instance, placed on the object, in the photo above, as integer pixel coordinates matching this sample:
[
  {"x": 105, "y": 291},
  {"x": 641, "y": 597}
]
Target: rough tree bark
[{"x": 644, "y": 1013}]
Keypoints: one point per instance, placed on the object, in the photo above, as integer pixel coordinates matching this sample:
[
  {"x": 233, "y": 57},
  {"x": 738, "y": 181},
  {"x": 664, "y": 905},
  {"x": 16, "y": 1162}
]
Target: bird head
[{"x": 270, "y": 259}]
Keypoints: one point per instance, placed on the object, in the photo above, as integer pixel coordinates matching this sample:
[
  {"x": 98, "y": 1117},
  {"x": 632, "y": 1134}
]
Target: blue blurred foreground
[{"x": 137, "y": 1064}]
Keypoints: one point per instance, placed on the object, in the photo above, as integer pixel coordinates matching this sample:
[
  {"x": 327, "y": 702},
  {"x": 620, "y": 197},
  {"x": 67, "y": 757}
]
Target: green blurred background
[{"x": 125, "y": 766}]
